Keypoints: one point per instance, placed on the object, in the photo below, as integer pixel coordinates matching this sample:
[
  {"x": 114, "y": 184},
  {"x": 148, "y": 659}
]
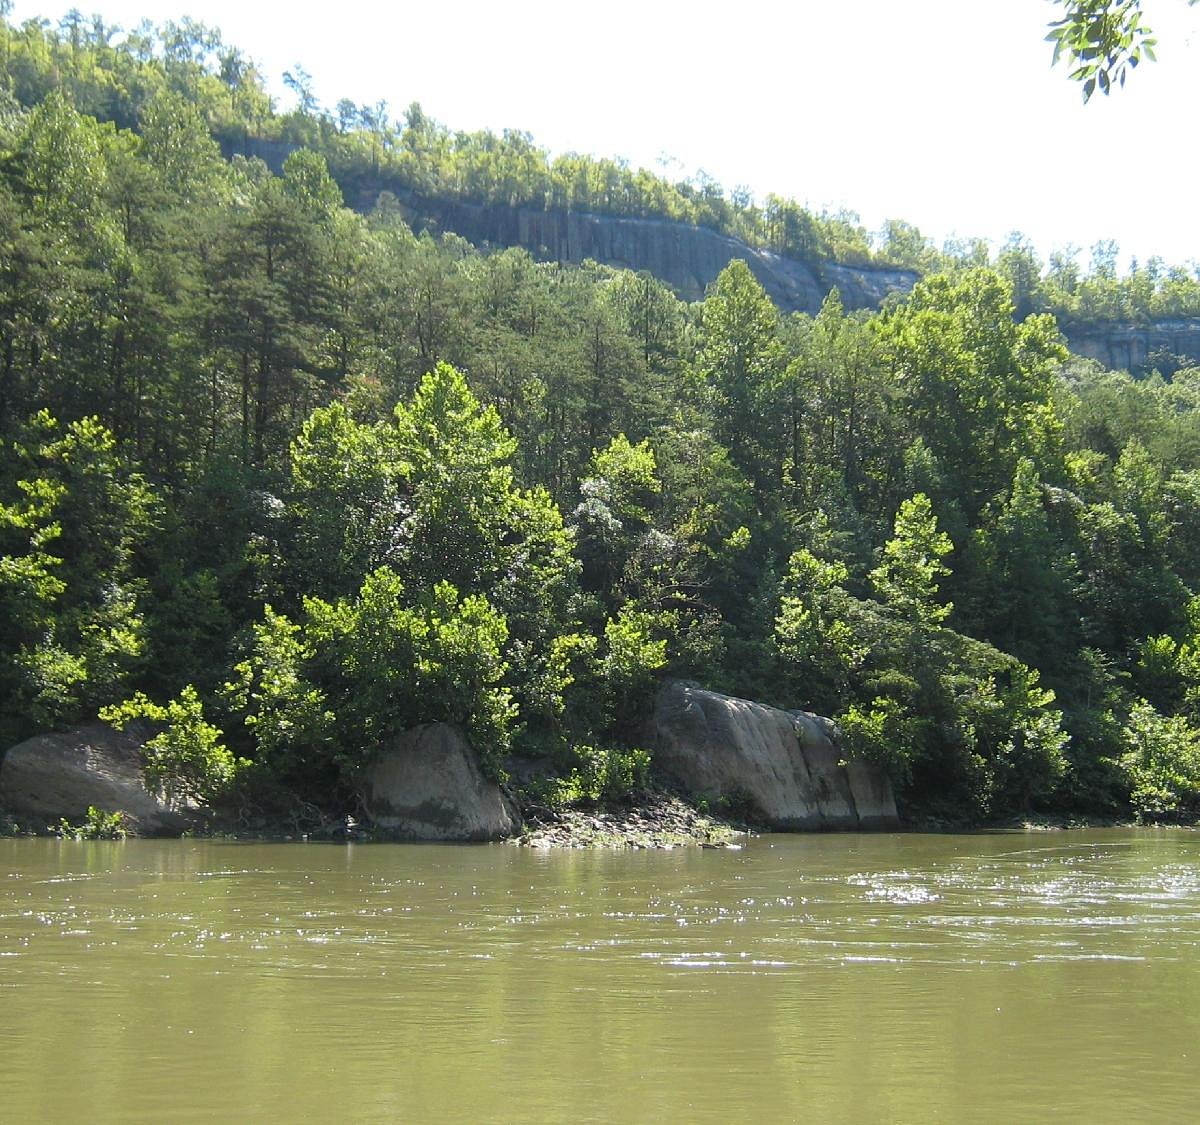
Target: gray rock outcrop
[
  {"x": 427, "y": 785},
  {"x": 58, "y": 776},
  {"x": 787, "y": 764},
  {"x": 1167, "y": 344},
  {"x": 687, "y": 258}
]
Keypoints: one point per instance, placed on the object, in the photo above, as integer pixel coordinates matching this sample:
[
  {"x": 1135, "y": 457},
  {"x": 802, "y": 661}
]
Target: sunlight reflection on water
[{"x": 932, "y": 976}]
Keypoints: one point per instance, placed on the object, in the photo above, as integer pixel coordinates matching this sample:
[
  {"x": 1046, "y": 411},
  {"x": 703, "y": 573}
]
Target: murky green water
[{"x": 817, "y": 978}]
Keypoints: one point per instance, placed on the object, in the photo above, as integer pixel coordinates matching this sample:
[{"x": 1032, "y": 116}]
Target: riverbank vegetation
[{"x": 288, "y": 479}]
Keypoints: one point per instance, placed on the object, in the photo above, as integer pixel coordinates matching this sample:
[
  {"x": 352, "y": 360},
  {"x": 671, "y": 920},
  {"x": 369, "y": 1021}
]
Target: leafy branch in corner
[{"x": 1105, "y": 39}]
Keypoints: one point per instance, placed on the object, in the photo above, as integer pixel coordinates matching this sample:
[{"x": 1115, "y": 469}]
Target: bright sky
[{"x": 941, "y": 112}]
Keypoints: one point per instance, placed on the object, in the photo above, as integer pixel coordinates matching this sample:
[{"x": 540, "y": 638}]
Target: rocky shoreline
[
  {"x": 657, "y": 820},
  {"x": 783, "y": 770}
]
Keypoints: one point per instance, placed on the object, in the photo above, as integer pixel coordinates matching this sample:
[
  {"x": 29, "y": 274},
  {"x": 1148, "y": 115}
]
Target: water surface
[{"x": 1018, "y": 976}]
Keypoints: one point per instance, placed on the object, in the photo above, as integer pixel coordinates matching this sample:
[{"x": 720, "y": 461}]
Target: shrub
[
  {"x": 99, "y": 825},
  {"x": 1162, "y": 763},
  {"x": 607, "y": 776},
  {"x": 187, "y": 759}
]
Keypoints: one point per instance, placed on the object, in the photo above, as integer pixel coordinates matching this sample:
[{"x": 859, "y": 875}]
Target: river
[{"x": 825, "y": 978}]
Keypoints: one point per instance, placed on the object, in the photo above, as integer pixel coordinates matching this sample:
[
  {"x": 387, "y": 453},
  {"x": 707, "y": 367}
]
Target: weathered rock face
[
  {"x": 685, "y": 257},
  {"x": 786, "y": 763},
  {"x": 689, "y": 259},
  {"x": 1137, "y": 346},
  {"x": 427, "y": 785},
  {"x": 56, "y": 776}
]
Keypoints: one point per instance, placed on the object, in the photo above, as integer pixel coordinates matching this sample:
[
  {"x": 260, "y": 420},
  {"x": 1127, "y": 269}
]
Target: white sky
[{"x": 941, "y": 112}]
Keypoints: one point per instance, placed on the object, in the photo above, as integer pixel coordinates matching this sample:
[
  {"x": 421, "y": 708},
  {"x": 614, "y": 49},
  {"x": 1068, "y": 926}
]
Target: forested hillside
[{"x": 288, "y": 478}]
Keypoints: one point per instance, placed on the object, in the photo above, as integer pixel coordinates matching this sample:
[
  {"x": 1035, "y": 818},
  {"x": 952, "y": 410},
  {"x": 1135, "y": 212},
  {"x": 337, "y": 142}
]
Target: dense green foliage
[{"x": 286, "y": 479}]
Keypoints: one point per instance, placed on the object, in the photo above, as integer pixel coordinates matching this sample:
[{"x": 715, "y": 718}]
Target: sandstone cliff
[
  {"x": 1134, "y": 347},
  {"x": 687, "y": 258}
]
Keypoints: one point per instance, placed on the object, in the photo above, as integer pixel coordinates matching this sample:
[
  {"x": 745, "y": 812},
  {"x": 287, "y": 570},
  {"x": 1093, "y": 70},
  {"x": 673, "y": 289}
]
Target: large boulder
[
  {"x": 58, "y": 776},
  {"x": 426, "y": 784},
  {"x": 789, "y": 765}
]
